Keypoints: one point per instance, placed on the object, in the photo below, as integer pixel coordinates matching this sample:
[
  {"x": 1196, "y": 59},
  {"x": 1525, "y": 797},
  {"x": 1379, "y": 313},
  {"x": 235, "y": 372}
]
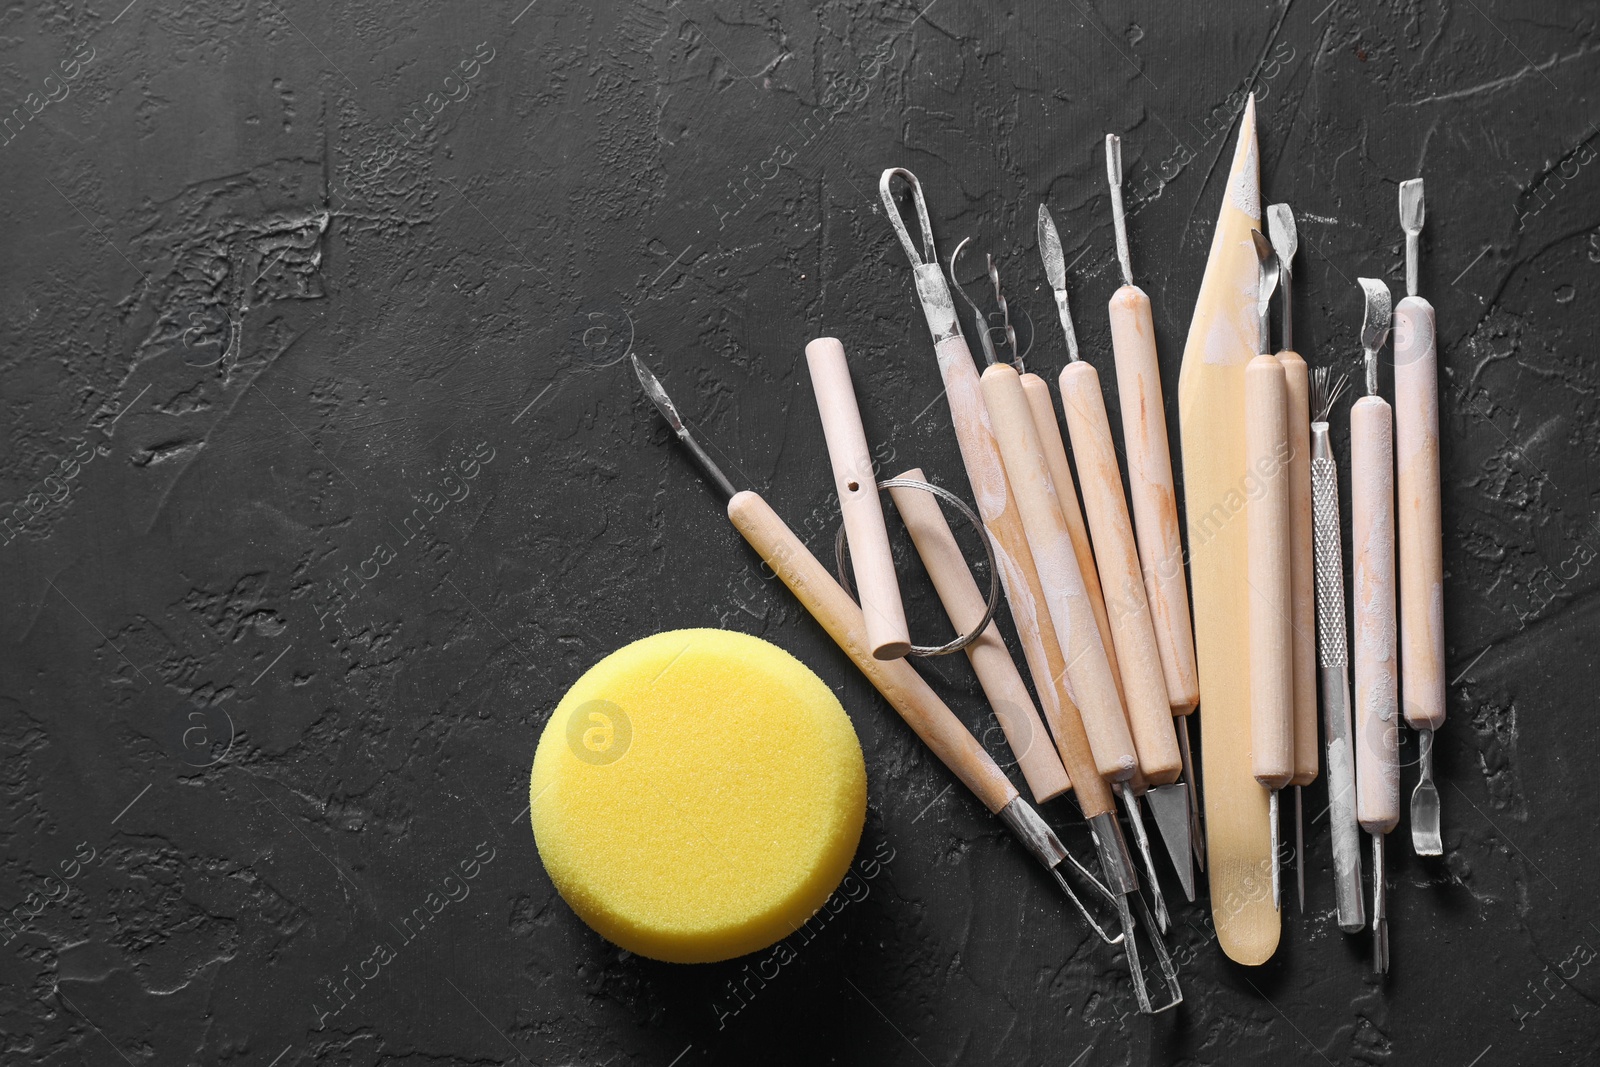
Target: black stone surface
[{"x": 324, "y": 478}]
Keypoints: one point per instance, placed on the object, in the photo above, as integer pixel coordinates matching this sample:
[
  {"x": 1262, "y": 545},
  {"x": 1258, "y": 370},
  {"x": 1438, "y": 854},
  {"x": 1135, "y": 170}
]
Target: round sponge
[{"x": 697, "y": 795}]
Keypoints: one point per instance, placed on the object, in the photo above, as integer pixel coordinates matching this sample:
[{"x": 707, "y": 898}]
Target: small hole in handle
[{"x": 852, "y": 486}]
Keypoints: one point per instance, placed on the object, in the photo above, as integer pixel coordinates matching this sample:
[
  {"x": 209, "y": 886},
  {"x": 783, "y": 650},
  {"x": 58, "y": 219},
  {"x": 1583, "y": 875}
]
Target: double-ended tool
[
  {"x": 1416, "y": 440},
  {"x": 1302, "y": 571},
  {"x": 1266, "y": 437},
  {"x": 1372, "y": 549}
]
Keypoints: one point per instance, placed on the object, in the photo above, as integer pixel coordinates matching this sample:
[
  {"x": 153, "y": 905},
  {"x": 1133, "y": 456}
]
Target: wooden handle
[
  {"x": 901, "y": 686},
  {"x": 1266, "y": 447},
  {"x": 1416, "y": 439},
  {"x": 1372, "y": 550},
  {"x": 1092, "y": 686},
  {"x": 870, "y": 558},
  {"x": 1024, "y": 593},
  {"x": 1037, "y": 390},
  {"x": 1302, "y": 569},
  {"x": 1134, "y": 635},
  {"x": 996, "y": 670},
  {"x": 1150, "y": 485}
]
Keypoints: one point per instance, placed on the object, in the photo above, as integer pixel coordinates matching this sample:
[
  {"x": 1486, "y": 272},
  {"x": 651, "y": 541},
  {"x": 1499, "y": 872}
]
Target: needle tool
[
  {"x": 1416, "y": 440},
  {"x": 1155, "y": 501},
  {"x": 1372, "y": 548},
  {"x": 1043, "y": 605},
  {"x": 1266, "y": 436},
  {"x": 1333, "y": 656},
  {"x": 1302, "y": 571}
]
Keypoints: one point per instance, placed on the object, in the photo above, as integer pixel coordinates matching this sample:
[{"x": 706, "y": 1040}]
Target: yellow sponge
[{"x": 697, "y": 795}]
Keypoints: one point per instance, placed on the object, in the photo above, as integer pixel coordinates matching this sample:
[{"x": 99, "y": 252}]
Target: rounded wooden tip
[
  {"x": 825, "y": 346},
  {"x": 891, "y": 650},
  {"x": 1129, "y": 298}
]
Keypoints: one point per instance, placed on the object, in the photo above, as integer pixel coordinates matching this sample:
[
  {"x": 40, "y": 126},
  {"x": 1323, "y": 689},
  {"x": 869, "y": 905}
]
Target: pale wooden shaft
[
  {"x": 1302, "y": 569},
  {"x": 1151, "y": 488},
  {"x": 1037, "y": 390},
  {"x": 997, "y": 671},
  {"x": 1416, "y": 440},
  {"x": 1266, "y": 445},
  {"x": 1373, "y": 606},
  {"x": 900, "y": 685},
  {"x": 859, "y": 504},
  {"x": 980, "y": 455},
  {"x": 1133, "y": 633},
  {"x": 1093, "y": 687}
]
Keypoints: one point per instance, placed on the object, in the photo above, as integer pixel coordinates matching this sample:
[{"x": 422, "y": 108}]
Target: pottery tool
[
  {"x": 1150, "y": 486},
  {"x": 964, "y": 603},
  {"x": 1223, "y": 337},
  {"x": 1302, "y": 569},
  {"x": 887, "y": 635},
  {"x": 1372, "y": 549},
  {"x": 1333, "y": 657},
  {"x": 1266, "y": 446},
  {"x": 624, "y": 776},
  {"x": 1124, "y": 743},
  {"x": 1416, "y": 439},
  {"x": 1030, "y": 598},
  {"x": 1147, "y": 704},
  {"x": 926, "y": 714}
]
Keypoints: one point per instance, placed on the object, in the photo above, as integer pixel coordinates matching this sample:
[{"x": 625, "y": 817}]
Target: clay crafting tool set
[{"x": 1097, "y": 588}]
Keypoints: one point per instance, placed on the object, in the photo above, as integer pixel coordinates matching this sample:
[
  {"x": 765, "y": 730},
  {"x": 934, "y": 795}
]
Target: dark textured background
[{"x": 261, "y": 302}]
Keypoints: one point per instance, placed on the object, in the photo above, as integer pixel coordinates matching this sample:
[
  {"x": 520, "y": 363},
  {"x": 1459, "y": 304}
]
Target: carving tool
[
  {"x": 1147, "y": 704},
  {"x": 1223, "y": 337},
  {"x": 1025, "y": 589},
  {"x": 1302, "y": 570},
  {"x": 1155, "y": 501},
  {"x": 1125, "y": 744},
  {"x": 859, "y": 505},
  {"x": 997, "y": 671},
  {"x": 900, "y": 685},
  {"x": 1266, "y": 446},
  {"x": 1416, "y": 438},
  {"x": 1333, "y": 656},
  {"x": 1372, "y": 548}
]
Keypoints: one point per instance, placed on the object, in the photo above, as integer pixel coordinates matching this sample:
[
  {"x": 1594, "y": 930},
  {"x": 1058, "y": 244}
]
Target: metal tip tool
[
  {"x": 1119, "y": 216},
  {"x": 1412, "y": 212},
  {"x": 1285, "y": 242},
  {"x": 669, "y": 411},
  {"x": 998, "y": 322},
  {"x": 1380, "y": 909},
  {"x": 1270, "y": 271},
  {"x": 1374, "y": 327},
  {"x": 1055, "y": 270}
]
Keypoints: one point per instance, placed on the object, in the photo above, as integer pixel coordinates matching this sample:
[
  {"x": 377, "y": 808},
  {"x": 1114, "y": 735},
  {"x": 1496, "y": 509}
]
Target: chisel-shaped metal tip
[
  {"x": 1426, "y": 839},
  {"x": 1277, "y": 847},
  {"x": 1170, "y": 803},
  {"x": 1412, "y": 212},
  {"x": 1136, "y": 820},
  {"x": 669, "y": 411},
  {"x": 1380, "y": 909}
]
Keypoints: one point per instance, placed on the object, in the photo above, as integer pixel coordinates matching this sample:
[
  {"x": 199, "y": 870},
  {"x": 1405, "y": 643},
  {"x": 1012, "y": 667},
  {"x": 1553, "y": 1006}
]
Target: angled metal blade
[
  {"x": 669, "y": 411},
  {"x": 1285, "y": 240},
  {"x": 1055, "y": 263},
  {"x": 1170, "y": 803}
]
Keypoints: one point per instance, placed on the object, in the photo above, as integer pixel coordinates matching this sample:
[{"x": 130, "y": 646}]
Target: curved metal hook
[
  {"x": 928, "y": 255},
  {"x": 986, "y": 331}
]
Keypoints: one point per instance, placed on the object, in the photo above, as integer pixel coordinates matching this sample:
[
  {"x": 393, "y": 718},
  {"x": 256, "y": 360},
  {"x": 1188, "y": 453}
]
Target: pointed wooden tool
[{"x": 1223, "y": 337}]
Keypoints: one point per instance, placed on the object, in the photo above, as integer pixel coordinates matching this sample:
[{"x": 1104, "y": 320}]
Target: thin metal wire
[{"x": 841, "y": 553}]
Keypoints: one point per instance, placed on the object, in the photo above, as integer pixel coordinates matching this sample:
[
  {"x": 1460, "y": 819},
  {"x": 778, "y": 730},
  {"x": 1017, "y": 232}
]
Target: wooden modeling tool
[
  {"x": 1372, "y": 549},
  {"x": 1223, "y": 337},
  {"x": 1155, "y": 510},
  {"x": 900, "y": 685},
  {"x": 1302, "y": 570},
  {"x": 1416, "y": 439},
  {"x": 1266, "y": 450},
  {"x": 1033, "y": 602},
  {"x": 997, "y": 671},
  {"x": 1333, "y": 657},
  {"x": 1007, "y": 379},
  {"x": 1148, "y": 708},
  {"x": 873, "y": 564}
]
